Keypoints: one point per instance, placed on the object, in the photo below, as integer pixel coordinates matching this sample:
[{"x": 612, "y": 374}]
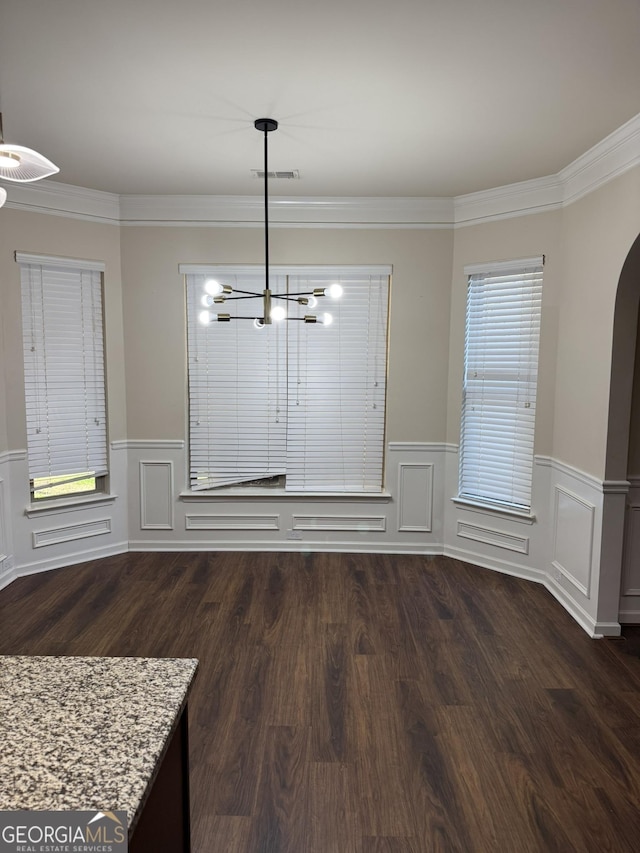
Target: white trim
[
  {"x": 494, "y": 509},
  {"x": 70, "y": 504},
  {"x": 267, "y": 494},
  {"x": 287, "y": 545},
  {"x": 58, "y": 199},
  {"x": 71, "y": 532},
  {"x": 231, "y": 521},
  {"x": 286, "y": 211},
  {"x": 538, "y": 195},
  {"x": 287, "y": 269},
  {"x": 143, "y": 444},
  {"x": 422, "y": 446},
  {"x": 569, "y": 471},
  {"x": 61, "y": 263},
  {"x": 612, "y": 156},
  {"x": 616, "y": 487},
  {"x": 501, "y": 267},
  {"x": 13, "y": 456},
  {"x": 609, "y": 158}
]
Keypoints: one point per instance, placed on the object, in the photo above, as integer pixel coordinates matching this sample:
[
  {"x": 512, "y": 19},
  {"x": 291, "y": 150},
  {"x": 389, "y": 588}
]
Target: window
[
  {"x": 302, "y": 403},
  {"x": 64, "y": 375},
  {"x": 500, "y": 379}
]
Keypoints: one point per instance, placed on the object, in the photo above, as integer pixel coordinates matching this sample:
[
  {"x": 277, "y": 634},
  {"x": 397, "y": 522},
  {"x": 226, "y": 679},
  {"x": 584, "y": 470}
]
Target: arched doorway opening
[{"x": 621, "y": 520}]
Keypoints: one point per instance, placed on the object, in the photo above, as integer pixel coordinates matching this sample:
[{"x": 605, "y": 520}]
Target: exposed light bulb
[
  {"x": 9, "y": 160},
  {"x": 213, "y": 287},
  {"x": 207, "y": 300},
  {"x": 205, "y": 317},
  {"x": 312, "y": 302},
  {"x": 335, "y": 291},
  {"x": 327, "y": 319},
  {"x": 258, "y": 324},
  {"x": 278, "y": 313}
]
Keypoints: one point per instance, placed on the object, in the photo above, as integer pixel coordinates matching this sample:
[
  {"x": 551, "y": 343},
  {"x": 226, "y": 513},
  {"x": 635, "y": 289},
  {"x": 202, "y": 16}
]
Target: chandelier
[
  {"x": 273, "y": 305},
  {"x": 21, "y": 164}
]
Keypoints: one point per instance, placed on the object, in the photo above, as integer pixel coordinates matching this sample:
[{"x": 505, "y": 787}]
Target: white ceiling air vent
[{"x": 291, "y": 175}]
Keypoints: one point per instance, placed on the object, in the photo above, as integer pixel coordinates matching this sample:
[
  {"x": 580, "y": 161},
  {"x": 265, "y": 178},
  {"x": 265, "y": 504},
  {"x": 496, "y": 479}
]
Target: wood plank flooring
[{"x": 367, "y": 703}]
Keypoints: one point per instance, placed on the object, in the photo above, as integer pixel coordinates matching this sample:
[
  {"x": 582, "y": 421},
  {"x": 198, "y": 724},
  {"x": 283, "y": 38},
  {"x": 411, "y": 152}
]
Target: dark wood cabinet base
[{"x": 164, "y": 825}]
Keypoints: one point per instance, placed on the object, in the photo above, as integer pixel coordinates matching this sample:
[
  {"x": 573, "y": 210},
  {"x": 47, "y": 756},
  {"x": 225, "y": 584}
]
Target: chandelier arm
[{"x": 248, "y": 296}]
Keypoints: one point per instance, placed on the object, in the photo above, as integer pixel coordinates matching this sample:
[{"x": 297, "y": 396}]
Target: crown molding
[
  {"x": 535, "y": 196},
  {"x": 59, "y": 199},
  {"x": 614, "y": 155},
  {"x": 248, "y": 211}
]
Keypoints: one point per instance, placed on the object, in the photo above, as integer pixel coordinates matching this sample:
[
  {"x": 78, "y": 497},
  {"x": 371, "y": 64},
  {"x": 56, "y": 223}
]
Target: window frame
[
  {"x": 484, "y": 436},
  {"x": 50, "y": 274},
  {"x": 286, "y": 271}
]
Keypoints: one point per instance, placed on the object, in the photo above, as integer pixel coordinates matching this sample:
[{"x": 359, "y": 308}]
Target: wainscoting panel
[
  {"x": 355, "y": 524},
  {"x": 573, "y": 538},
  {"x": 71, "y": 532},
  {"x": 156, "y": 495},
  {"x": 63, "y": 532},
  {"x": 631, "y": 566},
  {"x": 3, "y": 527},
  {"x": 229, "y": 521},
  {"x": 415, "y": 497},
  {"x": 630, "y": 586},
  {"x": 499, "y": 538}
]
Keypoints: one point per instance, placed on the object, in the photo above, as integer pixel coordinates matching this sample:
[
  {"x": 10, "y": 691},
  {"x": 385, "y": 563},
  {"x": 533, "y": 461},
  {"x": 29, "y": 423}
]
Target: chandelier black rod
[{"x": 266, "y": 125}]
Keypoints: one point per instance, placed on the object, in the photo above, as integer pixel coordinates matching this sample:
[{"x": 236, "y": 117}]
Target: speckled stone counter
[{"x": 87, "y": 733}]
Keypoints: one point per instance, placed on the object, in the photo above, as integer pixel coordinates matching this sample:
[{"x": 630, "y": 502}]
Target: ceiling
[{"x": 404, "y": 98}]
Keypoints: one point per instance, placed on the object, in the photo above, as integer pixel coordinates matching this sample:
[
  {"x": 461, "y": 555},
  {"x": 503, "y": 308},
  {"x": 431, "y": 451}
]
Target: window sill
[
  {"x": 282, "y": 495},
  {"x": 66, "y": 504},
  {"x": 495, "y": 509}
]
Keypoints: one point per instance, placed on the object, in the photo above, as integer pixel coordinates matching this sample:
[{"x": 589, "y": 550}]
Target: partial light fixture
[
  {"x": 3, "y": 196},
  {"x": 21, "y": 164},
  {"x": 217, "y": 293}
]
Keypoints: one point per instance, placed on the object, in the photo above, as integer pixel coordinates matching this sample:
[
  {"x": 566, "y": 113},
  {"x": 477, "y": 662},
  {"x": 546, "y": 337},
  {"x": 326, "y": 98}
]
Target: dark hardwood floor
[{"x": 364, "y": 703}]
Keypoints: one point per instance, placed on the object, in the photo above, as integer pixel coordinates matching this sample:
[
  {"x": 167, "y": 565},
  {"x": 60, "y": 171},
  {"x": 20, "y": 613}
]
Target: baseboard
[
  {"x": 71, "y": 559},
  {"x": 7, "y": 572},
  {"x": 594, "y": 629},
  {"x": 505, "y": 567},
  {"x": 301, "y": 545}
]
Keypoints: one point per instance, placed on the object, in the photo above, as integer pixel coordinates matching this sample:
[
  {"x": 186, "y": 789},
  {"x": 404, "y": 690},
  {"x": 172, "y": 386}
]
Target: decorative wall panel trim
[
  {"x": 136, "y": 444},
  {"x": 353, "y": 523},
  {"x": 631, "y": 562},
  {"x": 232, "y": 521},
  {"x": 490, "y": 536},
  {"x": 71, "y": 532},
  {"x": 562, "y": 468},
  {"x": 13, "y": 456},
  {"x": 4, "y": 549},
  {"x": 573, "y": 526},
  {"x": 422, "y": 446},
  {"x": 156, "y": 495},
  {"x": 415, "y": 497}
]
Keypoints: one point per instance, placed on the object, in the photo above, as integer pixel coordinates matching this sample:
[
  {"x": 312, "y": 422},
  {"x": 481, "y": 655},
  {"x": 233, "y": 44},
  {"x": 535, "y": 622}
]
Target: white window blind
[
  {"x": 500, "y": 381},
  {"x": 237, "y": 391},
  {"x": 64, "y": 367},
  {"x": 303, "y": 400}
]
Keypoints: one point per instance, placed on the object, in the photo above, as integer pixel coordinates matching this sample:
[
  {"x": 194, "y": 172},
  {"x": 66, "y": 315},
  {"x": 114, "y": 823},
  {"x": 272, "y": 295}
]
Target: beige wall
[
  {"x": 585, "y": 245},
  {"x": 597, "y": 233},
  {"x": 155, "y": 314},
  {"x": 55, "y": 235}
]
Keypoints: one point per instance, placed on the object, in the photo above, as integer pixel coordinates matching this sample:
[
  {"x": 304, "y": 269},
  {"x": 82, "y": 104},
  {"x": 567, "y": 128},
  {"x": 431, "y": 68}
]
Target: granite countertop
[{"x": 86, "y": 732}]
